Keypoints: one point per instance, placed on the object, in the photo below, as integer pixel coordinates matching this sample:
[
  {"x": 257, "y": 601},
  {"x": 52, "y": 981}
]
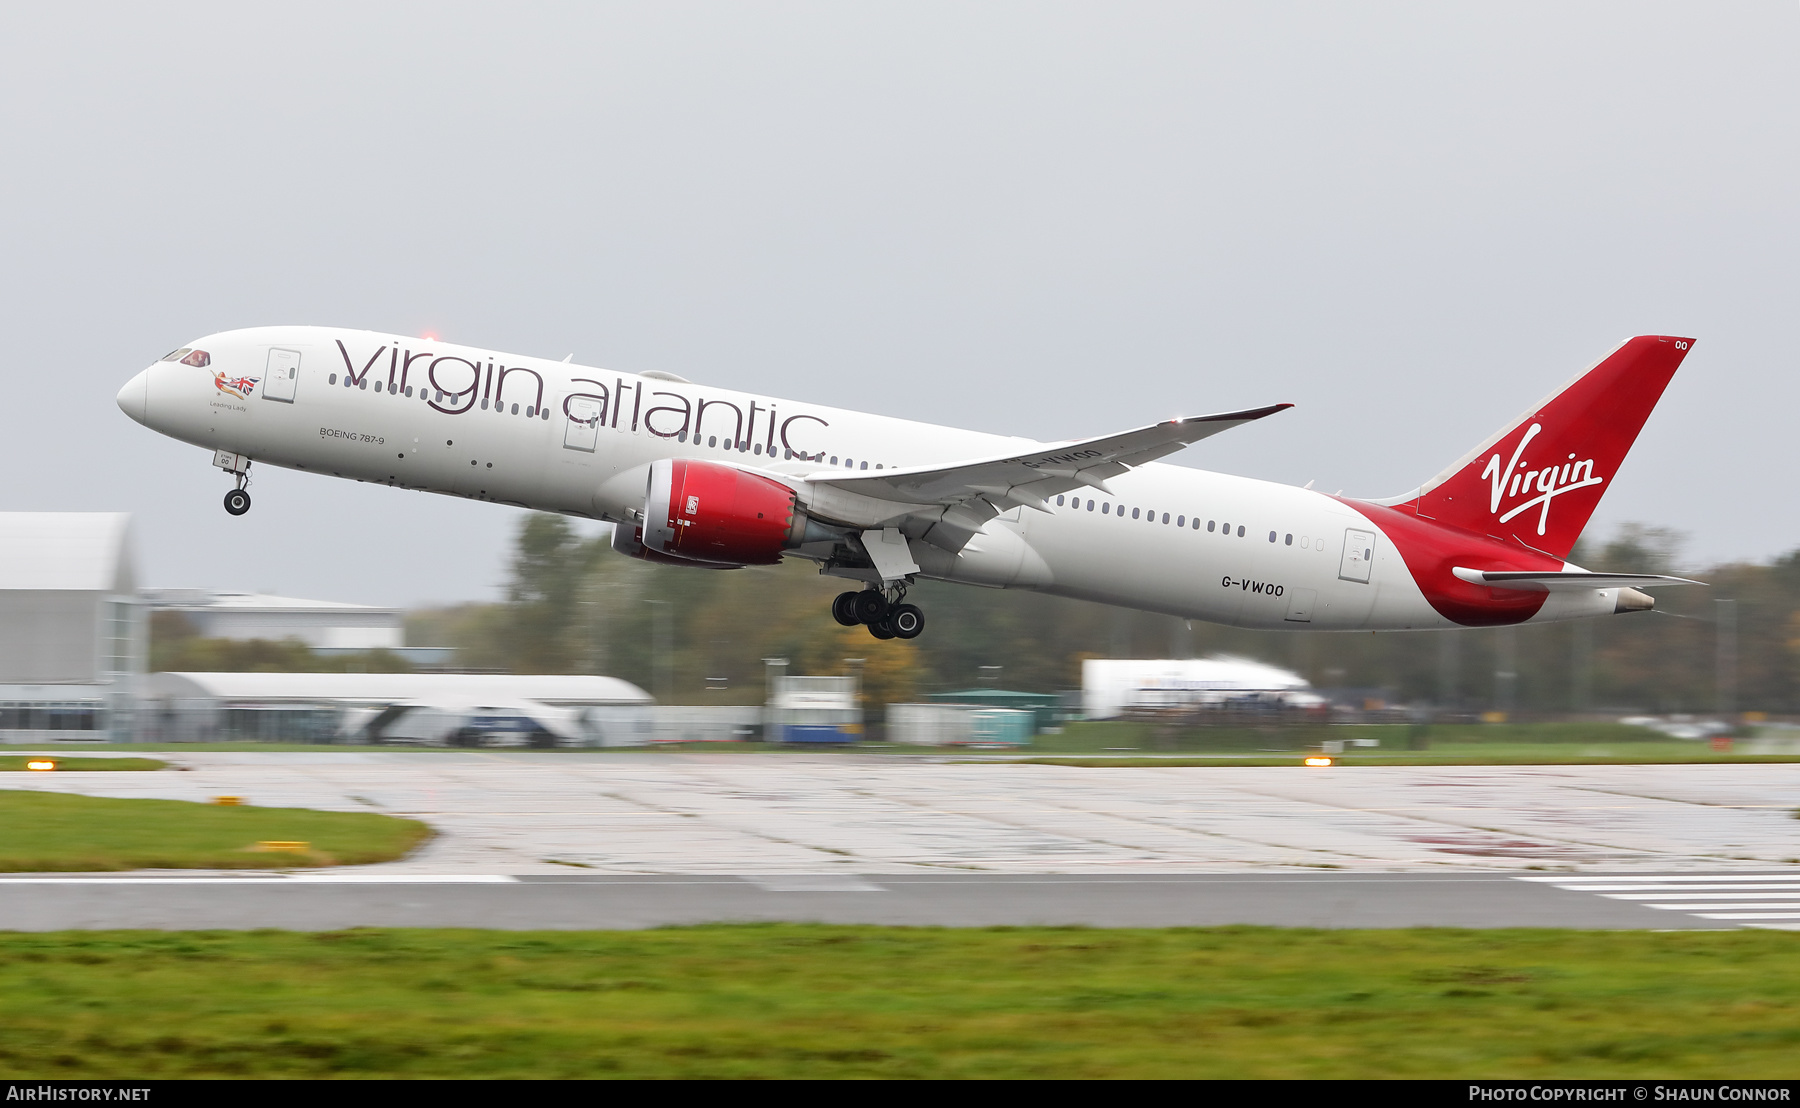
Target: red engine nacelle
[{"x": 706, "y": 512}]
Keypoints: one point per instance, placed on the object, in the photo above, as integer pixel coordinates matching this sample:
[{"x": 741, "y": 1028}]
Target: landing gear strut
[
  {"x": 885, "y": 618},
  {"x": 237, "y": 501}
]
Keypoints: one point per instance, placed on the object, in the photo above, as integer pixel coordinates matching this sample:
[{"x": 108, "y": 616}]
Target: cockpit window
[
  {"x": 198, "y": 358},
  {"x": 173, "y": 354}
]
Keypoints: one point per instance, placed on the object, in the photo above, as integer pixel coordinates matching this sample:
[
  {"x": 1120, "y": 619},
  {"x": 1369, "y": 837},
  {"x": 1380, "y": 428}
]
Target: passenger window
[
  {"x": 1209, "y": 525},
  {"x": 199, "y": 359},
  {"x": 1134, "y": 513},
  {"x": 1197, "y": 523},
  {"x": 1240, "y": 530},
  {"x": 1271, "y": 536},
  {"x": 515, "y": 409},
  {"x": 877, "y": 465},
  {"x": 409, "y": 392},
  {"x": 363, "y": 384},
  {"x": 865, "y": 465},
  {"x": 712, "y": 440},
  {"x": 1090, "y": 505},
  {"x": 1106, "y": 508},
  {"x": 1059, "y": 502},
  {"x": 1180, "y": 521},
  {"x": 1289, "y": 542},
  {"x": 1166, "y": 518},
  {"x": 759, "y": 448},
  {"x": 332, "y": 380},
  {"x": 834, "y": 459}
]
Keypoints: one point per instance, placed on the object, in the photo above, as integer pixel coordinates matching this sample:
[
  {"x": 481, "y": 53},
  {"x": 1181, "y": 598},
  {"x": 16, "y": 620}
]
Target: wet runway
[
  {"x": 328, "y": 901},
  {"x": 644, "y": 839},
  {"x": 745, "y": 814}
]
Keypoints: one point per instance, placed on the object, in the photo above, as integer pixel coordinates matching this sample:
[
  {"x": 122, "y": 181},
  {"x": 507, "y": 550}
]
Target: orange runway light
[
  {"x": 40, "y": 763},
  {"x": 228, "y": 801},
  {"x": 1318, "y": 761}
]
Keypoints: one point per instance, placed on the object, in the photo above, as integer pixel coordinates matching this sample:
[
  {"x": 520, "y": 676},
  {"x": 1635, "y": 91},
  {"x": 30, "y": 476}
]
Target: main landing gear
[{"x": 885, "y": 619}]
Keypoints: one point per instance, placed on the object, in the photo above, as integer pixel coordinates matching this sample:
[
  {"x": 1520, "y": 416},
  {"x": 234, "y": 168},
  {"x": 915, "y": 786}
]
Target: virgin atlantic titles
[{"x": 706, "y": 478}]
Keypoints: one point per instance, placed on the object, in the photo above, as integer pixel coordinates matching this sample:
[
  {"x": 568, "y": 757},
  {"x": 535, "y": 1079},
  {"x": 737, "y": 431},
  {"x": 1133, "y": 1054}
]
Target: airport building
[
  {"x": 1111, "y": 687},
  {"x": 72, "y": 630},
  {"x": 431, "y": 709},
  {"x": 325, "y": 626}
]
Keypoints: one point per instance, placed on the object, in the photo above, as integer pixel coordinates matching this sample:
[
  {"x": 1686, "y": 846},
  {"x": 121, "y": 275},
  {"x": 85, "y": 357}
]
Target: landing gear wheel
[
  {"x": 843, "y": 609},
  {"x": 237, "y": 502},
  {"x": 882, "y": 628},
  {"x": 869, "y": 606},
  {"x": 906, "y": 620}
]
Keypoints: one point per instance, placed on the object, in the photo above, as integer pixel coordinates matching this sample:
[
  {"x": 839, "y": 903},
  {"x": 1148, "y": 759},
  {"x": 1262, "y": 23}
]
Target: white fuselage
[{"x": 449, "y": 419}]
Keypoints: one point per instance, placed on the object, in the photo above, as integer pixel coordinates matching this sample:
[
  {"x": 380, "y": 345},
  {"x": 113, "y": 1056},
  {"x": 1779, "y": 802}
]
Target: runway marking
[
  {"x": 1737, "y": 897},
  {"x": 815, "y": 883}
]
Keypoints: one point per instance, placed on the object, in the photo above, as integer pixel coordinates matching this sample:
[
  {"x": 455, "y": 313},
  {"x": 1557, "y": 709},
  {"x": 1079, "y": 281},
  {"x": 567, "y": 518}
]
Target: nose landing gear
[
  {"x": 885, "y": 618},
  {"x": 237, "y": 501}
]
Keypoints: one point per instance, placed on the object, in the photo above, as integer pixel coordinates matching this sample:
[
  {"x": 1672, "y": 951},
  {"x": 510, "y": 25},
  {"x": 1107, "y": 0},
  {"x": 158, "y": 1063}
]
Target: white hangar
[{"x": 72, "y": 632}]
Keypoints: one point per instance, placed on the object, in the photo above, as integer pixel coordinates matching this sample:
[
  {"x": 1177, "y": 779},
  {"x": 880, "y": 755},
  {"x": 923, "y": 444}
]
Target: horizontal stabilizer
[{"x": 1565, "y": 582}]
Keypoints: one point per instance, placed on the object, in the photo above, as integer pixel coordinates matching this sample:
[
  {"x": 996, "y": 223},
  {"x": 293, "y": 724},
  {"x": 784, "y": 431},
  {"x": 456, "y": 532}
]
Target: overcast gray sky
[{"x": 1041, "y": 219}]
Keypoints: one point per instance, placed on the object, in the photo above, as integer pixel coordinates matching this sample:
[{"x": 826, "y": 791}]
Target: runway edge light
[
  {"x": 1318, "y": 760},
  {"x": 41, "y": 764}
]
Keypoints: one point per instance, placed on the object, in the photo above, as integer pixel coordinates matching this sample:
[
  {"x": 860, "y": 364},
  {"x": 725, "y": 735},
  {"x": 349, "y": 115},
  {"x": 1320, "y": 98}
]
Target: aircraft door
[
  {"x": 1300, "y": 605},
  {"x": 583, "y": 430},
  {"x": 282, "y": 375},
  {"x": 1359, "y": 556}
]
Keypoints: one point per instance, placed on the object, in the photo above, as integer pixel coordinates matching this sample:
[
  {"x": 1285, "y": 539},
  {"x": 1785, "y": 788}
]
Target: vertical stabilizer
[{"x": 1539, "y": 480}]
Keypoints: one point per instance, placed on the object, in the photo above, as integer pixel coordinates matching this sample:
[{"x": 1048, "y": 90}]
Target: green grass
[
  {"x": 176, "y": 748},
  {"x": 1092, "y": 737},
  {"x": 784, "y": 1000},
  {"x": 11, "y": 762},
  {"x": 59, "y": 832},
  {"x": 1117, "y": 743},
  {"x": 1141, "y": 744},
  {"x": 1497, "y": 754}
]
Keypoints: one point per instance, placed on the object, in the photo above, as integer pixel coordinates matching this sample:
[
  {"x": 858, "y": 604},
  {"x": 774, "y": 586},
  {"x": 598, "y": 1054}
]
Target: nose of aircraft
[{"x": 134, "y": 398}]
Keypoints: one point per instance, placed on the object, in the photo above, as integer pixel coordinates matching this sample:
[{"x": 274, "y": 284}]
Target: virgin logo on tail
[{"x": 1520, "y": 479}]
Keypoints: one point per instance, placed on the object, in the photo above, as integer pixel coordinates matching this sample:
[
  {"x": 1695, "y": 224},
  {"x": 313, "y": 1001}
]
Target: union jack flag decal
[{"x": 239, "y": 387}]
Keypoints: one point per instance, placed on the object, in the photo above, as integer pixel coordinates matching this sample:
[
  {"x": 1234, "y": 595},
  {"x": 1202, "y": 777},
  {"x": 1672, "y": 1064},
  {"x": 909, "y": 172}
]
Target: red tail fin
[{"x": 1538, "y": 481}]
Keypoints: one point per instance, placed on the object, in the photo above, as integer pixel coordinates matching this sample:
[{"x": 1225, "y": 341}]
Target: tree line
[{"x": 694, "y": 636}]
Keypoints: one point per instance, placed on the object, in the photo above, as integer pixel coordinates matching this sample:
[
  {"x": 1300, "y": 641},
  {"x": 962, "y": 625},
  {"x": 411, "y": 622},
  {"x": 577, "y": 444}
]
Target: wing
[
  {"x": 1565, "y": 582},
  {"x": 964, "y": 495}
]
